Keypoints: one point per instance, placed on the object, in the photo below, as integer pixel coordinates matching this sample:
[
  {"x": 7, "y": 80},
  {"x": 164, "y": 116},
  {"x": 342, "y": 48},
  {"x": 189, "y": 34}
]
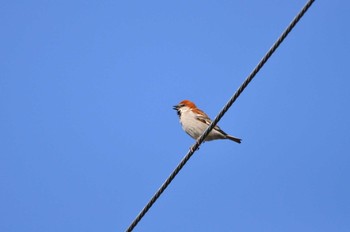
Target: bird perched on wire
[{"x": 194, "y": 122}]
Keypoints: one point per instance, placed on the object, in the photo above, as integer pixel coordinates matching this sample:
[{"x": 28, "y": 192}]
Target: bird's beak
[{"x": 176, "y": 107}]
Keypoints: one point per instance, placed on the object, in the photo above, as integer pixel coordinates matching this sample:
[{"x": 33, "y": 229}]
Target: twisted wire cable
[{"x": 220, "y": 115}]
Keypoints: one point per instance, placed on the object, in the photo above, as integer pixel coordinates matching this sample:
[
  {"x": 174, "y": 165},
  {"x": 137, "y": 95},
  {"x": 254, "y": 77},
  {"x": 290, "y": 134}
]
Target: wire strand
[{"x": 220, "y": 115}]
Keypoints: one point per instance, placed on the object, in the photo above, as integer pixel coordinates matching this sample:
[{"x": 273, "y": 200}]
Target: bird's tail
[{"x": 237, "y": 140}]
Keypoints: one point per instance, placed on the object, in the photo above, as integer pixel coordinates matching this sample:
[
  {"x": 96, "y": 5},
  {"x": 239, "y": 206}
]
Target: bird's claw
[{"x": 192, "y": 149}]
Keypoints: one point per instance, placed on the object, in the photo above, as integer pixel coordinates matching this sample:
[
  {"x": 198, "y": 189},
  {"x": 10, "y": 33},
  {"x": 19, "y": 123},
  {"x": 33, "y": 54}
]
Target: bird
[{"x": 194, "y": 122}]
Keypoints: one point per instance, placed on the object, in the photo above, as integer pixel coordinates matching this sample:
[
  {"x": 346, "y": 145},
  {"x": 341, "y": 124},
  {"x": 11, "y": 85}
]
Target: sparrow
[{"x": 194, "y": 122}]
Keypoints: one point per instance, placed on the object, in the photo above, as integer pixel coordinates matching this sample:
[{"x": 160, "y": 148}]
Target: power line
[{"x": 220, "y": 115}]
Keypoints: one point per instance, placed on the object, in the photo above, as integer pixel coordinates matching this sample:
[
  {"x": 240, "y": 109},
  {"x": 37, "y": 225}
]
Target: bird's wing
[{"x": 205, "y": 119}]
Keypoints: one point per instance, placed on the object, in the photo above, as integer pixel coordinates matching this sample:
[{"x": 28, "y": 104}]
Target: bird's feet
[{"x": 192, "y": 148}]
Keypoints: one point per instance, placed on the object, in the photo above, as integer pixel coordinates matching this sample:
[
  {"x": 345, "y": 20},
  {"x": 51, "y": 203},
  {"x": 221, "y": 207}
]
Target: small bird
[{"x": 194, "y": 122}]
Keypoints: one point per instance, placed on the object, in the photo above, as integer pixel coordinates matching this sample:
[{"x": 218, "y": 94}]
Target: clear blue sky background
[{"x": 88, "y": 134}]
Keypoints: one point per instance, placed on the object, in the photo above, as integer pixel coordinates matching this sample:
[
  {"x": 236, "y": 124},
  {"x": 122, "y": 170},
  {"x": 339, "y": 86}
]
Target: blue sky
[{"x": 88, "y": 134}]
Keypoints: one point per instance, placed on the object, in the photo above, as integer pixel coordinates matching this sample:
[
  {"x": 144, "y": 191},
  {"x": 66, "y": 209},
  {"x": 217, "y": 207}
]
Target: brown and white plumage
[{"x": 194, "y": 122}]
